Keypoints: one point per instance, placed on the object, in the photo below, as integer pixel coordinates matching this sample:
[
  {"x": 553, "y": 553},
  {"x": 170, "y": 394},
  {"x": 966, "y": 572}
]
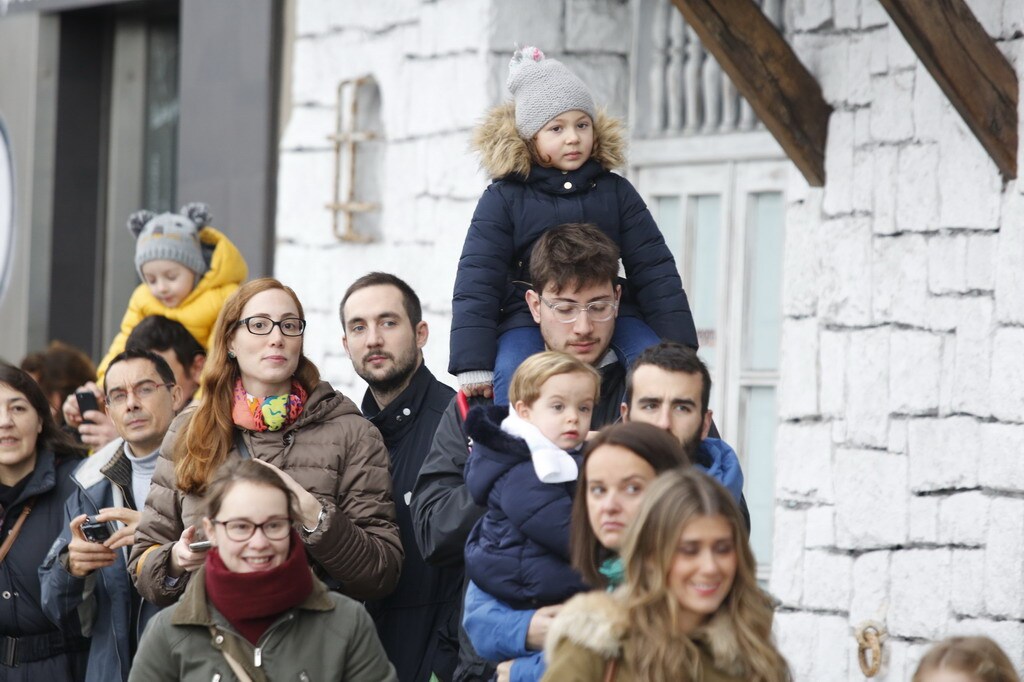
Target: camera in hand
[{"x": 96, "y": 531}]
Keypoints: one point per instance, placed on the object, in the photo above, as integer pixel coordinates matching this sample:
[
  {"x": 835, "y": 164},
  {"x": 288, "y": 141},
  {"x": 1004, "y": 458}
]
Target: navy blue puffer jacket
[
  {"x": 515, "y": 210},
  {"x": 519, "y": 550}
]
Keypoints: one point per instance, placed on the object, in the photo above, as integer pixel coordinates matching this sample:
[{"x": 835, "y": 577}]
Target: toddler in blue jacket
[
  {"x": 523, "y": 468},
  {"x": 551, "y": 153}
]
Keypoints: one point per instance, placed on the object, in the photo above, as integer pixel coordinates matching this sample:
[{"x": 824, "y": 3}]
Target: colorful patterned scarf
[{"x": 267, "y": 414}]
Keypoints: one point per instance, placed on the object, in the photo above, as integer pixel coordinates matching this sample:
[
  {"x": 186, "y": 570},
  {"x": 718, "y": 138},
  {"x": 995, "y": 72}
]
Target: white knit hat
[{"x": 542, "y": 89}]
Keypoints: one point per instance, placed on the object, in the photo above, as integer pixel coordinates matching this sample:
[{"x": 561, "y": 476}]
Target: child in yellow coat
[{"x": 188, "y": 270}]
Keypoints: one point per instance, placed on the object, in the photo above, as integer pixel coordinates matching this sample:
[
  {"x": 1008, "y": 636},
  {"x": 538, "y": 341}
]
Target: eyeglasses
[
  {"x": 262, "y": 325},
  {"x": 597, "y": 311},
  {"x": 119, "y": 396},
  {"x": 241, "y": 530}
]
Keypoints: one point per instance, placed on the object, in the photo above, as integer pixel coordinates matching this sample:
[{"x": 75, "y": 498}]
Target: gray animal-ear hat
[
  {"x": 170, "y": 236},
  {"x": 542, "y": 89}
]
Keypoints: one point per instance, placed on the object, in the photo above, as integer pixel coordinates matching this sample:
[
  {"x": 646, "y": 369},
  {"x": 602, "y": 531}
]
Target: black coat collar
[
  {"x": 554, "y": 181},
  {"x": 400, "y": 414}
]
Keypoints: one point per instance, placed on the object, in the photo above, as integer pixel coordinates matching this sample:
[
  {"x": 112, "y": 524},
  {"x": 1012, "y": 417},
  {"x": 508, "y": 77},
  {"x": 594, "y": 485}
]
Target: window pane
[
  {"x": 161, "y": 141},
  {"x": 763, "y": 308},
  {"x": 758, "y": 453},
  {"x": 670, "y": 221},
  {"x": 703, "y": 264}
]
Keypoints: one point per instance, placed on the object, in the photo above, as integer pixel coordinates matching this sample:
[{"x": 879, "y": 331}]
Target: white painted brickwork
[
  {"x": 439, "y": 65},
  {"x": 900, "y": 466},
  {"x": 900, "y": 481}
]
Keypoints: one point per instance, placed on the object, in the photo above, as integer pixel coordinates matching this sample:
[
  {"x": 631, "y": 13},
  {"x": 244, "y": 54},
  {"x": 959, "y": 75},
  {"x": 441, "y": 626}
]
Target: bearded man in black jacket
[{"x": 384, "y": 334}]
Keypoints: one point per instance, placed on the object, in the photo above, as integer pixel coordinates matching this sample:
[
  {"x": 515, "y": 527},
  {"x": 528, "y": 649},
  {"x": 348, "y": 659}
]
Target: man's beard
[
  {"x": 691, "y": 446},
  {"x": 401, "y": 369}
]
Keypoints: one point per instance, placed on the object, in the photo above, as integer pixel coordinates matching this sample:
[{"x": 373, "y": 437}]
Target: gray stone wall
[
  {"x": 899, "y": 475},
  {"x": 439, "y": 65}
]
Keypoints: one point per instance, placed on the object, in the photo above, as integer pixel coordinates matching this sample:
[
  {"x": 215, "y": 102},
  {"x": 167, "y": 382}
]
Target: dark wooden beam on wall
[
  {"x": 768, "y": 74},
  {"x": 970, "y": 69}
]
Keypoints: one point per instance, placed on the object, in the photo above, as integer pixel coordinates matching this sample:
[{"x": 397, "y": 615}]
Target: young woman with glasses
[
  {"x": 254, "y": 609},
  {"x": 262, "y": 399}
]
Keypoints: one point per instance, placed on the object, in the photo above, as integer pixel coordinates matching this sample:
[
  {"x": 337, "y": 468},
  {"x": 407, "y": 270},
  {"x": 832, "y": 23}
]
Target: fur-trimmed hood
[
  {"x": 598, "y": 621},
  {"x": 503, "y": 152}
]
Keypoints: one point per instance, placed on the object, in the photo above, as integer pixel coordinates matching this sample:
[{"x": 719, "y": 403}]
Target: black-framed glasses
[
  {"x": 261, "y": 325},
  {"x": 597, "y": 311},
  {"x": 240, "y": 530},
  {"x": 117, "y": 397}
]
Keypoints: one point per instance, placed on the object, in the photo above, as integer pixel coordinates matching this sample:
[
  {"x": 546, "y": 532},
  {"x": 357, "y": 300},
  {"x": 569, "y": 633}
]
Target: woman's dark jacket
[
  {"x": 525, "y": 202},
  {"x": 27, "y": 637},
  {"x": 519, "y": 550}
]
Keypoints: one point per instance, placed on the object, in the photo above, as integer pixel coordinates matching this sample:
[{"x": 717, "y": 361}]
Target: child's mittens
[{"x": 477, "y": 383}]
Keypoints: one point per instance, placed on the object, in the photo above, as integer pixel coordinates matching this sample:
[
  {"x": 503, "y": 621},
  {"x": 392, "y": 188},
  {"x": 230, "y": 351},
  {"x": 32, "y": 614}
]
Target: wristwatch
[{"x": 319, "y": 519}]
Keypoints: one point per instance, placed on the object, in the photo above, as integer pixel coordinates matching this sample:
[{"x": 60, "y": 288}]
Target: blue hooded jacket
[
  {"x": 518, "y": 551},
  {"x": 718, "y": 460}
]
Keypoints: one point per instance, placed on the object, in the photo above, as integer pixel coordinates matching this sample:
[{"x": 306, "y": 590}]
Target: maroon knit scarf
[{"x": 253, "y": 601}]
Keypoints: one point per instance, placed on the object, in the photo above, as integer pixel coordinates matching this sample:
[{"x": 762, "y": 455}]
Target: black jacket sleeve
[{"x": 443, "y": 512}]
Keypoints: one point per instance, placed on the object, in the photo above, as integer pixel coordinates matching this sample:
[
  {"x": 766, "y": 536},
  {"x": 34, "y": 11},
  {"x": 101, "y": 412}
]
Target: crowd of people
[{"x": 570, "y": 514}]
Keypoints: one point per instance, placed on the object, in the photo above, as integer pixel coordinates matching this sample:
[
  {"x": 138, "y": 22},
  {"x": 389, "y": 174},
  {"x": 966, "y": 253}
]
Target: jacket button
[
  {"x": 567, "y": 185},
  {"x": 6, "y": 594},
  {"x": 219, "y": 639},
  {"x": 407, "y": 412}
]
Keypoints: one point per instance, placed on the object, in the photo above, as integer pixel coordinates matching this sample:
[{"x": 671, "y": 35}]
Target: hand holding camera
[{"x": 94, "y": 539}]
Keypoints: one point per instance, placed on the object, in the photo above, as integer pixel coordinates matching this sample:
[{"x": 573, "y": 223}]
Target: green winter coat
[{"x": 326, "y": 637}]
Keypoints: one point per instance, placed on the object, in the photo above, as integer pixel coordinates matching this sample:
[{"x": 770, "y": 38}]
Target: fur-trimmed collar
[
  {"x": 483, "y": 425},
  {"x": 594, "y": 620},
  {"x": 503, "y": 152},
  {"x": 598, "y": 621}
]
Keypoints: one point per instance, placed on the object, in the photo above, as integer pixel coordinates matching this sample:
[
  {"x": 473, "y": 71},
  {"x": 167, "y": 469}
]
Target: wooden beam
[
  {"x": 970, "y": 69},
  {"x": 768, "y": 74}
]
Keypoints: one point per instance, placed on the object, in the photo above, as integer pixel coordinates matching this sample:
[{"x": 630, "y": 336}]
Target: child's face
[
  {"x": 566, "y": 141},
  {"x": 947, "y": 675},
  {"x": 563, "y": 409},
  {"x": 169, "y": 281}
]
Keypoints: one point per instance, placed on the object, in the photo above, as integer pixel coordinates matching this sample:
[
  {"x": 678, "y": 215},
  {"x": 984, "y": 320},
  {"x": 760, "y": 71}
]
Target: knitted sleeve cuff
[{"x": 476, "y": 376}]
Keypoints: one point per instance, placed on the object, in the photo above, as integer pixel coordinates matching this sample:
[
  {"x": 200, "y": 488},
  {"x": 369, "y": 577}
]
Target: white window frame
[{"x": 735, "y": 167}]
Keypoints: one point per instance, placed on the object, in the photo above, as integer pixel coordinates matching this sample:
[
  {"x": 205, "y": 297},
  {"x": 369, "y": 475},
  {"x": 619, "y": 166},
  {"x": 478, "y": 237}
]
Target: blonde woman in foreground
[
  {"x": 690, "y": 608},
  {"x": 965, "y": 659}
]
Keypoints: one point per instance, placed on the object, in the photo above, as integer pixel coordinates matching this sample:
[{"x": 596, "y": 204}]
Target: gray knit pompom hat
[
  {"x": 542, "y": 89},
  {"x": 170, "y": 236}
]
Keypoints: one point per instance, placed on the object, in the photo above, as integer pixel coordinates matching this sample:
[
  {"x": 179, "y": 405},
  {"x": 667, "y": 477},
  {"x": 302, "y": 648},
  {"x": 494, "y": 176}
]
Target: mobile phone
[
  {"x": 96, "y": 531},
  {"x": 86, "y": 401},
  {"x": 200, "y": 546}
]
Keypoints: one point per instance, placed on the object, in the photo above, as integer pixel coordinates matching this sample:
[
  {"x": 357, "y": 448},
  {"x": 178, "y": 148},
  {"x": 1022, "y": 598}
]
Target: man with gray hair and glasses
[{"x": 85, "y": 583}]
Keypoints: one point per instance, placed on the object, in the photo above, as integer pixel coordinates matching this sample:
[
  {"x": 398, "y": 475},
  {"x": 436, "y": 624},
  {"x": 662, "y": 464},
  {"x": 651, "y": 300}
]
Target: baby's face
[
  {"x": 169, "y": 281},
  {"x": 563, "y": 409}
]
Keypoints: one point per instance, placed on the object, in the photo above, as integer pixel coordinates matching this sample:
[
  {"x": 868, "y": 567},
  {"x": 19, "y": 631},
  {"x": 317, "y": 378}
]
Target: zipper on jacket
[{"x": 257, "y": 655}]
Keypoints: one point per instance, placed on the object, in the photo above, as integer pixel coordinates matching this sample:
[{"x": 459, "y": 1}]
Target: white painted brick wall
[
  {"x": 898, "y": 465},
  {"x": 914, "y": 287},
  {"x": 871, "y": 501},
  {"x": 920, "y": 593}
]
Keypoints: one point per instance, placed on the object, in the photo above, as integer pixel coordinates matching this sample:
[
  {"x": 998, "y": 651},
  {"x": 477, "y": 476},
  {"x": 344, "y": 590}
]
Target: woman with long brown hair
[
  {"x": 263, "y": 399},
  {"x": 689, "y": 609}
]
